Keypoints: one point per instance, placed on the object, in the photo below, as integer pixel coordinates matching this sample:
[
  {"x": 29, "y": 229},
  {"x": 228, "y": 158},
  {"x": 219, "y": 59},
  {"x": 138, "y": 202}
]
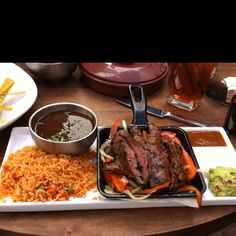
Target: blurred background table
[{"x": 163, "y": 221}]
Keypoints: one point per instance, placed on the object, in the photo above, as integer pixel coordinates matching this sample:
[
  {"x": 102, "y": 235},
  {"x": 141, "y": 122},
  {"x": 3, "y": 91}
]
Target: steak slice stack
[
  {"x": 178, "y": 172},
  {"x": 129, "y": 156},
  {"x": 159, "y": 162},
  {"x": 155, "y": 160}
]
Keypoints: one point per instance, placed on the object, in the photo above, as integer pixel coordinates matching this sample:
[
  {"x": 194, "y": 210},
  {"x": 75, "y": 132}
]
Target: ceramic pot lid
[{"x": 125, "y": 73}]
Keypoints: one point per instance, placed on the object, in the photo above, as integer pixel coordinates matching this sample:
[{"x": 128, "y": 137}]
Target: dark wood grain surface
[{"x": 167, "y": 221}]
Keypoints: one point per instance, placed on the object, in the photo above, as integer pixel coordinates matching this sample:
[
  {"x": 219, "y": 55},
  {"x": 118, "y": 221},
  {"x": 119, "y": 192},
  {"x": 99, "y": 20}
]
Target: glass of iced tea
[{"x": 188, "y": 82}]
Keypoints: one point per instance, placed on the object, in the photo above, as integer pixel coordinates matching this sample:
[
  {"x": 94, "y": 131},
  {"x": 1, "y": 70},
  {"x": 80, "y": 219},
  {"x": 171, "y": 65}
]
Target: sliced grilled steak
[
  {"x": 137, "y": 134},
  {"x": 133, "y": 165},
  {"x": 178, "y": 172},
  {"x": 155, "y": 160},
  {"x": 124, "y": 156},
  {"x": 114, "y": 167},
  {"x": 159, "y": 164},
  {"x": 140, "y": 156},
  {"x": 136, "y": 142}
]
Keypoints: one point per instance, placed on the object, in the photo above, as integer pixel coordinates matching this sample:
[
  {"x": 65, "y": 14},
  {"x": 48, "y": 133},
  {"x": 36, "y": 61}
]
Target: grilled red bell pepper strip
[
  {"x": 188, "y": 161},
  {"x": 114, "y": 128},
  {"x": 192, "y": 189},
  {"x": 170, "y": 136},
  {"x": 192, "y": 170},
  {"x": 118, "y": 182},
  {"x": 154, "y": 189}
]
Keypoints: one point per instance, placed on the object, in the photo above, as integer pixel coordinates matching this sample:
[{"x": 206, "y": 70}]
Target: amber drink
[{"x": 188, "y": 83}]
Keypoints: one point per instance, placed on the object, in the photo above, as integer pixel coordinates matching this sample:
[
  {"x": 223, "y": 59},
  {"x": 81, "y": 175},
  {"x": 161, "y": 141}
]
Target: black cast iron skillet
[{"x": 140, "y": 119}]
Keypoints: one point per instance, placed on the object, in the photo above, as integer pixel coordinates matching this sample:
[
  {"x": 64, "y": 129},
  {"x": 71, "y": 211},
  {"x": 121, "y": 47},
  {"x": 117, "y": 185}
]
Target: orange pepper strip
[
  {"x": 193, "y": 189},
  {"x": 170, "y": 136},
  {"x": 119, "y": 182},
  {"x": 192, "y": 170},
  {"x": 154, "y": 189},
  {"x": 114, "y": 128}
]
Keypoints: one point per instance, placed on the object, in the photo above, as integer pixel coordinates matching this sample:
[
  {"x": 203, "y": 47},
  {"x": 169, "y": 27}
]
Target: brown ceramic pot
[{"x": 113, "y": 79}]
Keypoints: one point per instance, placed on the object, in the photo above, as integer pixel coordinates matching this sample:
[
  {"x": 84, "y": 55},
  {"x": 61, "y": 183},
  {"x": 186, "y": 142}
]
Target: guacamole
[{"x": 222, "y": 181}]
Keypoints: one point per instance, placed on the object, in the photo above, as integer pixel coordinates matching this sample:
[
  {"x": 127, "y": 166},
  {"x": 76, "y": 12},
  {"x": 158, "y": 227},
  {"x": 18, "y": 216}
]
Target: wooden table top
[{"x": 166, "y": 220}]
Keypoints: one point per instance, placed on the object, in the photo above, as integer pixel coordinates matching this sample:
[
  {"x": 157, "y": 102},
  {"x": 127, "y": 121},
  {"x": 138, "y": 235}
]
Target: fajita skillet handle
[{"x": 139, "y": 105}]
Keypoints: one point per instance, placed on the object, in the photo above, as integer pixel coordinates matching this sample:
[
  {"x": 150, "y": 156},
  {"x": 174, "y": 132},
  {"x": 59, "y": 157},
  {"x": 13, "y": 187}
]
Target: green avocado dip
[{"x": 222, "y": 181}]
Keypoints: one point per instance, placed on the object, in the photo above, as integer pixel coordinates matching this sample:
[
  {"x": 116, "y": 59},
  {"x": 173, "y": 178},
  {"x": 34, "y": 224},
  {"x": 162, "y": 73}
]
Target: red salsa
[{"x": 206, "y": 138}]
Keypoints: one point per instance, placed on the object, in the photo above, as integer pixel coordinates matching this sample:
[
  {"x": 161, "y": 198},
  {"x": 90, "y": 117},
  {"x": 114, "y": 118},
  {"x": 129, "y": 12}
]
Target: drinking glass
[{"x": 188, "y": 83}]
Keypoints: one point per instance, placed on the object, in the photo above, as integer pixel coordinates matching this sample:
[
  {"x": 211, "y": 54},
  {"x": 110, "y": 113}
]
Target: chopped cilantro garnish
[
  {"x": 67, "y": 113},
  {"x": 55, "y": 138}
]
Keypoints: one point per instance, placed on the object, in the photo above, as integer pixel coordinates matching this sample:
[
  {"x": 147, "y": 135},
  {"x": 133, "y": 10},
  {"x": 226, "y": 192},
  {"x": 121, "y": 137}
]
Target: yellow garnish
[
  {"x": 4, "y": 89},
  {"x": 16, "y": 93},
  {"x": 8, "y": 108},
  {"x": 3, "y": 121}
]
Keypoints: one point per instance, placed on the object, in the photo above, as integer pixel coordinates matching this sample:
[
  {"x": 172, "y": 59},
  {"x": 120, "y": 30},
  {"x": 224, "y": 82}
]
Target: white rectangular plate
[{"x": 206, "y": 156}]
